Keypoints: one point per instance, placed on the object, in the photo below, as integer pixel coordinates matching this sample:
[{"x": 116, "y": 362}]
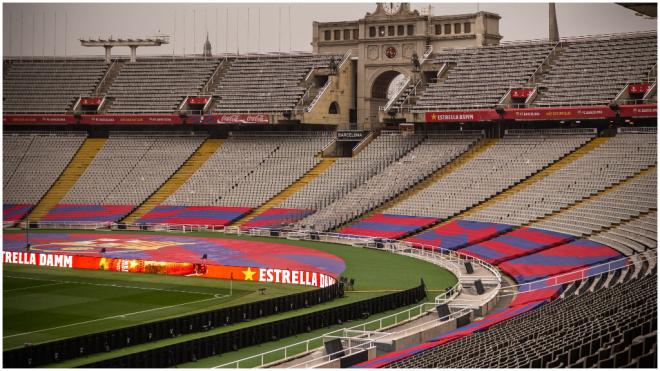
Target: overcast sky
[{"x": 37, "y": 29}]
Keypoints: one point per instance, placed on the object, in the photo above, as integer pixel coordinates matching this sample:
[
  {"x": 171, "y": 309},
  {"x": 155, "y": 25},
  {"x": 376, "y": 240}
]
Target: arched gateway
[{"x": 382, "y": 45}]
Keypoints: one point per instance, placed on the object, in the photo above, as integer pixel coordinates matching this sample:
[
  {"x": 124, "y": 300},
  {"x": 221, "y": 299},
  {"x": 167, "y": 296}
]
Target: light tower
[
  {"x": 554, "y": 30},
  {"x": 131, "y": 43}
]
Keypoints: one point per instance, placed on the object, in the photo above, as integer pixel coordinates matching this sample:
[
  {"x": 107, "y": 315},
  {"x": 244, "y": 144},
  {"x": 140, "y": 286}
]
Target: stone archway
[{"x": 379, "y": 88}]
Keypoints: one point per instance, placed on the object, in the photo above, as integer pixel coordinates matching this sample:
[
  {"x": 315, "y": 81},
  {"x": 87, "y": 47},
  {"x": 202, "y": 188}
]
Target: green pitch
[{"x": 45, "y": 304}]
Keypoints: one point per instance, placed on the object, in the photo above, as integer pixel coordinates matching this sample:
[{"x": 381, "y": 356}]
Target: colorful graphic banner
[{"x": 273, "y": 275}]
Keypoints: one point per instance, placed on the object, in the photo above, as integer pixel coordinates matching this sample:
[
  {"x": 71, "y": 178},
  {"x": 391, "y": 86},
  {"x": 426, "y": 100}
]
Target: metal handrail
[
  {"x": 568, "y": 277},
  {"x": 96, "y": 92},
  {"x": 396, "y": 96},
  {"x": 310, "y": 107},
  {"x": 545, "y": 60},
  {"x": 213, "y": 76}
]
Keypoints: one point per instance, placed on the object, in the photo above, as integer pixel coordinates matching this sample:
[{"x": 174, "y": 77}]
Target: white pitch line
[
  {"x": 33, "y": 287},
  {"x": 108, "y": 285},
  {"x": 117, "y": 316}
]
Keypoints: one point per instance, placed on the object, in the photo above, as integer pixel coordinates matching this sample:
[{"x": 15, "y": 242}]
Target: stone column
[
  {"x": 133, "y": 52},
  {"x": 108, "y": 57}
]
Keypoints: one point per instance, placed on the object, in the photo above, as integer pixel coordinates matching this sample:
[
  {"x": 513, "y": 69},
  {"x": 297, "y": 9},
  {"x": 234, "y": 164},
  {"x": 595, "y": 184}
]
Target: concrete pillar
[
  {"x": 108, "y": 57},
  {"x": 133, "y": 52},
  {"x": 554, "y": 30}
]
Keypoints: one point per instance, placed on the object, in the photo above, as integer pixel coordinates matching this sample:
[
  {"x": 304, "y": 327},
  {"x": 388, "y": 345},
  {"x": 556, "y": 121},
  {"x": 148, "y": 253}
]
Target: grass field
[{"x": 45, "y": 304}]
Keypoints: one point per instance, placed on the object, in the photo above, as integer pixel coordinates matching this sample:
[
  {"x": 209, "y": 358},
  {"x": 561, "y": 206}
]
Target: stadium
[{"x": 414, "y": 192}]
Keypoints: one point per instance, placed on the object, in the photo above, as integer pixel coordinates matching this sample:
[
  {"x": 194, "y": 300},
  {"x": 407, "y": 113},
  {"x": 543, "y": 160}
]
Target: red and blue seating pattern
[
  {"x": 459, "y": 233},
  {"x": 87, "y": 213},
  {"x": 388, "y": 225},
  {"x": 277, "y": 217},
  {"x": 202, "y": 215},
  {"x": 523, "y": 241},
  {"x": 560, "y": 259},
  {"x": 13, "y": 212},
  {"x": 180, "y": 249}
]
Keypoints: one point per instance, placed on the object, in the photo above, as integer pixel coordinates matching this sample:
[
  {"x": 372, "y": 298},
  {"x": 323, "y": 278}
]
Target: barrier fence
[
  {"x": 190, "y": 351},
  {"x": 85, "y": 345}
]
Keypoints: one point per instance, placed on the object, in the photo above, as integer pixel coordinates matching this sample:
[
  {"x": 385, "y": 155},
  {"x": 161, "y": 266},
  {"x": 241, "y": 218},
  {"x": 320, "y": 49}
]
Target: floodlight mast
[{"x": 132, "y": 43}]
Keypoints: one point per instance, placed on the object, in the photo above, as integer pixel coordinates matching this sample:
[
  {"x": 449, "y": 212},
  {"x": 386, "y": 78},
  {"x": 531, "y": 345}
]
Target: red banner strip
[
  {"x": 559, "y": 113},
  {"x": 639, "y": 110},
  {"x": 131, "y": 119},
  {"x": 39, "y": 119},
  {"x": 462, "y": 116}
]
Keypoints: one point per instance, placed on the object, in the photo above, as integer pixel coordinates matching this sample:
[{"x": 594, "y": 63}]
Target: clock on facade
[
  {"x": 391, "y": 8},
  {"x": 390, "y": 52}
]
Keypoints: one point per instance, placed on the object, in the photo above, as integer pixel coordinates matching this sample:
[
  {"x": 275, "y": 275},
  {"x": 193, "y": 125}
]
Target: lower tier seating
[
  {"x": 560, "y": 259},
  {"x": 458, "y": 233},
  {"x": 277, "y": 217},
  {"x": 201, "y": 215},
  {"x": 13, "y": 212},
  {"x": 87, "y": 213},
  {"x": 607, "y": 328},
  {"x": 387, "y": 225}
]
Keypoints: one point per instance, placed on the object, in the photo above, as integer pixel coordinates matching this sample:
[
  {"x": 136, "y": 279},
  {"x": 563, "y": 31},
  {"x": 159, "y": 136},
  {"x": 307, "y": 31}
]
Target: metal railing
[
  {"x": 369, "y": 329},
  {"x": 318, "y": 96},
  {"x": 546, "y": 60},
  {"x": 577, "y": 275},
  {"x": 396, "y": 96},
  {"x": 105, "y": 77},
  {"x": 426, "y": 55}
]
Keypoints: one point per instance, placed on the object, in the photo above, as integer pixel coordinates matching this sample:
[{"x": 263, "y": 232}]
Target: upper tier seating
[
  {"x": 49, "y": 87},
  {"x": 482, "y": 76},
  {"x": 33, "y": 162},
  {"x": 608, "y": 328},
  {"x": 348, "y": 173},
  {"x": 158, "y": 86},
  {"x": 611, "y": 162},
  {"x": 130, "y": 167},
  {"x": 593, "y": 71},
  {"x": 266, "y": 84},
  {"x": 433, "y": 153},
  {"x": 512, "y": 159},
  {"x": 632, "y": 198},
  {"x": 249, "y": 169}
]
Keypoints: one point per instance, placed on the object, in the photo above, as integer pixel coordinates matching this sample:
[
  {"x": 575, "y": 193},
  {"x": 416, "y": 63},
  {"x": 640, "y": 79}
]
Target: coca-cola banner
[
  {"x": 638, "y": 88},
  {"x": 559, "y": 113},
  {"x": 242, "y": 118},
  {"x": 462, "y": 116},
  {"x": 131, "y": 119},
  {"x": 200, "y": 101},
  {"x": 39, "y": 119},
  {"x": 91, "y": 101},
  {"x": 520, "y": 93},
  {"x": 639, "y": 110}
]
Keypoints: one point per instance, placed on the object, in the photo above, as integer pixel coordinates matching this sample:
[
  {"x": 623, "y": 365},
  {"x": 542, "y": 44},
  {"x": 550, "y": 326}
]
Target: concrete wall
[{"x": 341, "y": 90}]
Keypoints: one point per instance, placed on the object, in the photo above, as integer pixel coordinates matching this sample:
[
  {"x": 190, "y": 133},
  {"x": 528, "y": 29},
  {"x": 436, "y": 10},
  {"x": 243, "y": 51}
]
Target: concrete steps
[
  {"x": 539, "y": 176},
  {"x": 289, "y": 191},
  {"x": 194, "y": 162},
  {"x": 68, "y": 178}
]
